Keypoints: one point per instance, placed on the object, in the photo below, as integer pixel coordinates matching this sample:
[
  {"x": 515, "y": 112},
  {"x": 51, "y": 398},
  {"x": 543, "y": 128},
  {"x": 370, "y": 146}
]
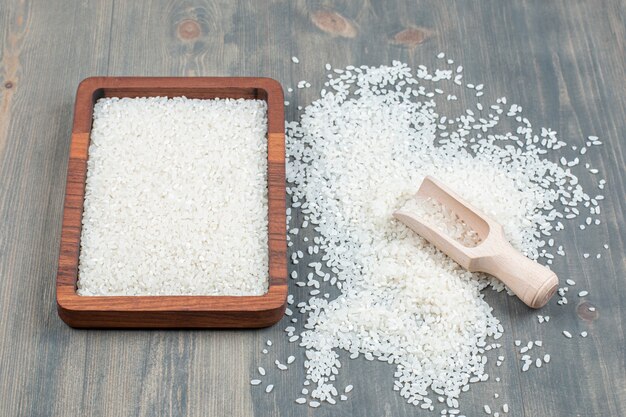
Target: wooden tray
[{"x": 173, "y": 311}]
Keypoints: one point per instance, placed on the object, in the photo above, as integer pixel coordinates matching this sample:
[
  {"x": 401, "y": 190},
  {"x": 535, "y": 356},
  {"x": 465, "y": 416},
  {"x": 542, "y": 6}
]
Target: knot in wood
[
  {"x": 584, "y": 313},
  {"x": 333, "y": 23},
  {"x": 189, "y": 29},
  {"x": 411, "y": 37}
]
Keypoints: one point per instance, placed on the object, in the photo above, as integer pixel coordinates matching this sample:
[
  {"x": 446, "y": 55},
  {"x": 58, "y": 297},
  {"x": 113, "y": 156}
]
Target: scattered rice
[
  {"x": 400, "y": 300},
  {"x": 390, "y": 259}
]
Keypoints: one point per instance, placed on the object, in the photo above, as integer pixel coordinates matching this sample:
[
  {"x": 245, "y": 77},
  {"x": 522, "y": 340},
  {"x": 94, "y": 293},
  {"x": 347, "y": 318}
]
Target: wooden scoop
[{"x": 533, "y": 283}]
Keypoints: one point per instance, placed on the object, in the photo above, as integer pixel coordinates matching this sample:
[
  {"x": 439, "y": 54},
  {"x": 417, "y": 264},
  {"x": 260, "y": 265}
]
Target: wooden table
[{"x": 564, "y": 61}]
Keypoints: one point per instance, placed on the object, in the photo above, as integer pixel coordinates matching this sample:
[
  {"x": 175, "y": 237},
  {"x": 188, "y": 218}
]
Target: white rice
[
  {"x": 176, "y": 198},
  {"x": 360, "y": 152},
  {"x": 443, "y": 218}
]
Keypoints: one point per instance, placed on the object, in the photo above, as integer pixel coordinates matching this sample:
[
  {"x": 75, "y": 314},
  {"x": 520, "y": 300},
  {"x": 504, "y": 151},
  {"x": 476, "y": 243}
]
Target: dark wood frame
[{"x": 173, "y": 311}]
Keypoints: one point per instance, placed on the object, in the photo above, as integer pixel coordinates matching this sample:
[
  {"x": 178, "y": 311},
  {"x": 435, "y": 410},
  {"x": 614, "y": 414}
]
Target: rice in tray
[{"x": 176, "y": 198}]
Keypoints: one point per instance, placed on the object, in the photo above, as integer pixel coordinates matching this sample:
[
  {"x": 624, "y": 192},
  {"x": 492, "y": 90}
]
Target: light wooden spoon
[{"x": 533, "y": 283}]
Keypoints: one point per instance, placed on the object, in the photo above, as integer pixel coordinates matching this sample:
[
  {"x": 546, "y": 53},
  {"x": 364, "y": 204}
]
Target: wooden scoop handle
[{"x": 533, "y": 283}]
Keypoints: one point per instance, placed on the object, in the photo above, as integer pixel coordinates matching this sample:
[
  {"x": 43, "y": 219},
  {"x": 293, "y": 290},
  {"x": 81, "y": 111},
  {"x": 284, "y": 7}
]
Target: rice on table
[
  {"x": 370, "y": 287},
  {"x": 176, "y": 198}
]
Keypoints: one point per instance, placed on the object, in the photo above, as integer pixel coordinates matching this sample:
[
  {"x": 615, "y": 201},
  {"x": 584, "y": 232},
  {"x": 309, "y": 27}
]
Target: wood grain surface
[{"x": 564, "y": 61}]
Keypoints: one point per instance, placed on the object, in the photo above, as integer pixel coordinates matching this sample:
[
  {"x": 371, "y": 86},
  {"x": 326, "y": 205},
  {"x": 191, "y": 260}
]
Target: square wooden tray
[{"x": 173, "y": 311}]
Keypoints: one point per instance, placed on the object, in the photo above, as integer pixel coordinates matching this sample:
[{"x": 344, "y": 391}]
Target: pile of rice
[
  {"x": 360, "y": 152},
  {"x": 176, "y": 198}
]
